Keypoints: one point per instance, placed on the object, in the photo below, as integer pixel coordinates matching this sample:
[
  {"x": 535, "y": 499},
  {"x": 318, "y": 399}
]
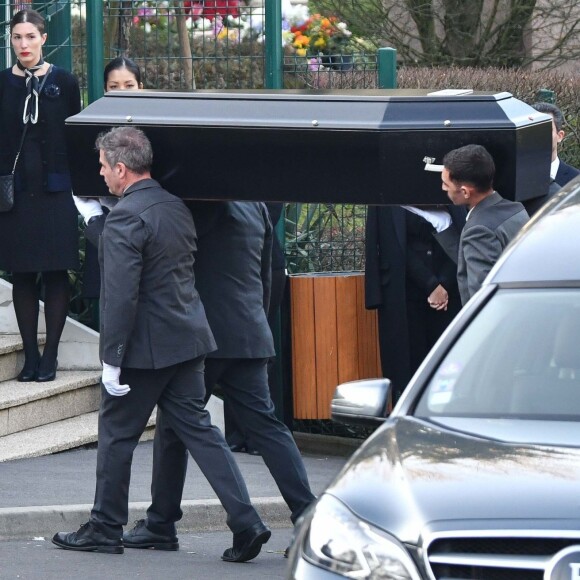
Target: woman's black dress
[{"x": 40, "y": 233}]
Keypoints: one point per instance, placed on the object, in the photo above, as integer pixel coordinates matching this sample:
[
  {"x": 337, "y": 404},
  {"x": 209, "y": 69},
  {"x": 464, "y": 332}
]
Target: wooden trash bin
[{"x": 334, "y": 339}]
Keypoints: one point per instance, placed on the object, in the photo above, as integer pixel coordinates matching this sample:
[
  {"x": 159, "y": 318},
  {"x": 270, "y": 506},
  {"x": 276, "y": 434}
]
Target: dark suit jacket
[
  {"x": 386, "y": 248},
  {"x": 535, "y": 204},
  {"x": 275, "y": 213},
  {"x": 492, "y": 224},
  {"x": 233, "y": 272},
  {"x": 151, "y": 313},
  {"x": 565, "y": 173}
]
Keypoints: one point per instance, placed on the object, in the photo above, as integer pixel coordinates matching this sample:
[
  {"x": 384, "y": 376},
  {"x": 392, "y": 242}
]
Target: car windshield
[{"x": 519, "y": 358}]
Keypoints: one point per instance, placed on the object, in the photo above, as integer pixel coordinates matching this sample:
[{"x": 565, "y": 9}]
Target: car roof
[{"x": 547, "y": 250}]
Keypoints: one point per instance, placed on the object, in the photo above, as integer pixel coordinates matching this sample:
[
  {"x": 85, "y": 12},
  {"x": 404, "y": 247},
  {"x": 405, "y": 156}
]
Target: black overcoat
[{"x": 40, "y": 233}]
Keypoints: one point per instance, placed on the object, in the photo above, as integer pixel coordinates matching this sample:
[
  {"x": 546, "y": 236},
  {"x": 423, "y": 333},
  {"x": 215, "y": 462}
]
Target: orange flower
[
  {"x": 301, "y": 41},
  {"x": 319, "y": 33}
]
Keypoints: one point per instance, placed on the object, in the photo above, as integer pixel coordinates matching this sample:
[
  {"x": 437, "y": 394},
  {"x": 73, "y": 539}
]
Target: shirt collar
[{"x": 554, "y": 166}]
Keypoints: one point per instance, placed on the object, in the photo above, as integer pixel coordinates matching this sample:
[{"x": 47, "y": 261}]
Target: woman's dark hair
[
  {"x": 28, "y": 15},
  {"x": 122, "y": 62}
]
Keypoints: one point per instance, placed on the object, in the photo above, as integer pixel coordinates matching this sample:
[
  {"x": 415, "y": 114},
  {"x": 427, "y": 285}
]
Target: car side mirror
[{"x": 365, "y": 402}]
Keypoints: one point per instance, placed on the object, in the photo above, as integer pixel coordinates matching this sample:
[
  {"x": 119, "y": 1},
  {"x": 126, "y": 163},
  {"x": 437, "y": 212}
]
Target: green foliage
[{"x": 324, "y": 237}]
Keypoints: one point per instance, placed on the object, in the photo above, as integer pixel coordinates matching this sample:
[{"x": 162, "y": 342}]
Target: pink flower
[{"x": 314, "y": 64}]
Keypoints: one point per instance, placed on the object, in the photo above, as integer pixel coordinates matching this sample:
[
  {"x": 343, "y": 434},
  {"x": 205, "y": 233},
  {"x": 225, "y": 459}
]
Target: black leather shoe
[
  {"x": 238, "y": 448},
  {"x": 44, "y": 376},
  {"x": 88, "y": 538},
  {"x": 140, "y": 536},
  {"x": 247, "y": 544},
  {"x": 29, "y": 371}
]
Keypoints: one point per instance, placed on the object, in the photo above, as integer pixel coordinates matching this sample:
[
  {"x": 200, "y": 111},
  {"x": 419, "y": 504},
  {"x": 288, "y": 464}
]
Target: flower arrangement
[
  {"x": 320, "y": 34},
  {"x": 222, "y": 19},
  {"x": 233, "y": 21},
  {"x": 211, "y": 9}
]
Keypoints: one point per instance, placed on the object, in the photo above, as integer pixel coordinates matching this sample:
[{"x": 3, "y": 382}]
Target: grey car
[{"x": 476, "y": 472}]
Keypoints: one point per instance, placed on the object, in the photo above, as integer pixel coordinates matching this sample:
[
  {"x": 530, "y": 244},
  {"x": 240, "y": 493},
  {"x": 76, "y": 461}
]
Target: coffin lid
[
  {"x": 300, "y": 109},
  {"x": 342, "y": 146}
]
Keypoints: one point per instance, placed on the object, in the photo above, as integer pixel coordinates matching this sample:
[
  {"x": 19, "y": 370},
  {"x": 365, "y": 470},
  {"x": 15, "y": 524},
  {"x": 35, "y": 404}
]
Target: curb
[
  {"x": 205, "y": 515},
  {"x": 198, "y": 516},
  {"x": 326, "y": 444}
]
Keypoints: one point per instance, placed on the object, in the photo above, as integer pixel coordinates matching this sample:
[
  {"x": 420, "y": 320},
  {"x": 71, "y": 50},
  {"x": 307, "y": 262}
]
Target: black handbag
[{"x": 7, "y": 181}]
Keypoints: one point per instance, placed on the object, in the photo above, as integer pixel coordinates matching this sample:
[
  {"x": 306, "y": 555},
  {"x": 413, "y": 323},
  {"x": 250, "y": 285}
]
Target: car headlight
[{"x": 339, "y": 541}]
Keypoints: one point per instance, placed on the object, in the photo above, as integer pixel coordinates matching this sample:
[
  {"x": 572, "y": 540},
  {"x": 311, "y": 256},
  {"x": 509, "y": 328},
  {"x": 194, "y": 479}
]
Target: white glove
[
  {"x": 110, "y": 380},
  {"x": 440, "y": 219},
  {"x": 88, "y": 208}
]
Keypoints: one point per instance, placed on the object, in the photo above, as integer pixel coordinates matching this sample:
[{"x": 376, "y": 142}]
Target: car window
[{"x": 519, "y": 357}]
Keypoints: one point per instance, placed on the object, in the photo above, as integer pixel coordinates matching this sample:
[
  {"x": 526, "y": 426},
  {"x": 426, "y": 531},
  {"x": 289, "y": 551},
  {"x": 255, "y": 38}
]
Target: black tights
[{"x": 25, "y": 296}]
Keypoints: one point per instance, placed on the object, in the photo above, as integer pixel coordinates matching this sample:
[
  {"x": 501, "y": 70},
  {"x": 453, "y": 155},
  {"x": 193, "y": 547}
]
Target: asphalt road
[{"x": 198, "y": 558}]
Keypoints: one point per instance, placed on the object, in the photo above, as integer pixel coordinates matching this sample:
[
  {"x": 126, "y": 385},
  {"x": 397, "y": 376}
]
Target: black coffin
[{"x": 347, "y": 146}]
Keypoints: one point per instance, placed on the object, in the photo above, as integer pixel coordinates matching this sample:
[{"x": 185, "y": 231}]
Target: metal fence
[{"x": 177, "y": 55}]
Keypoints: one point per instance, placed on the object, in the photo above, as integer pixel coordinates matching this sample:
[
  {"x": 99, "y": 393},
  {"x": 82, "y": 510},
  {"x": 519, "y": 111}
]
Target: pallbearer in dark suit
[
  {"x": 560, "y": 173},
  {"x": 232, "y": 273},
  {"x": 154, "y": 338},
  {"x": 235, "y": 434}
]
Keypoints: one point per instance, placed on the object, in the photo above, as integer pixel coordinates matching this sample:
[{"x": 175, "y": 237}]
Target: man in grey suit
[
  {"x": 492, "y": 222},
  {"x": 153, "y": 341},
  {"x": 232, "y": 274}
]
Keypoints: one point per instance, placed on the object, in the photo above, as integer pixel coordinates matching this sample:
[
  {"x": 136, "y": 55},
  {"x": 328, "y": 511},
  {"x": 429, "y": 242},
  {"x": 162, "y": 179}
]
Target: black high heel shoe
[
  {"x": 29, "y": 371},
  {"x": 43, "y": 376},
  {"x": 27, "y": 375}
]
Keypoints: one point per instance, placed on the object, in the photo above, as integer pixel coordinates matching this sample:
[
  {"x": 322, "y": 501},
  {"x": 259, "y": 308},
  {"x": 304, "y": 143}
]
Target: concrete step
[
  {"x": 55, "y": 437},
  {"x": 28, "y": 405},
  {"x": 11, "y": 355},
  {"x": 78, "y": 348}
]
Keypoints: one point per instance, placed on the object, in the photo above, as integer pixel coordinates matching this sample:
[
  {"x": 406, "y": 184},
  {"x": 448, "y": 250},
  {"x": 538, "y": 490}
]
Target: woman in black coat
[
  {"x": 38, "y": 236},
  {"x": 404, "y": 269}
]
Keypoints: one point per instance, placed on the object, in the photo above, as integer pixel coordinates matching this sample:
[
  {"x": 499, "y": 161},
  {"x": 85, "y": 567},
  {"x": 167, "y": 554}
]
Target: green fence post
[
  {"x": 387, "y": 64},
  {"x": 274, "y": 80},
  {"x": 273, "y": 19},
  {"x": 5, "y": 51},
  {"x": 95, "y": 53},
  {"x": 58, "y": 49},
  {"x": 546, "y": 96}
]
